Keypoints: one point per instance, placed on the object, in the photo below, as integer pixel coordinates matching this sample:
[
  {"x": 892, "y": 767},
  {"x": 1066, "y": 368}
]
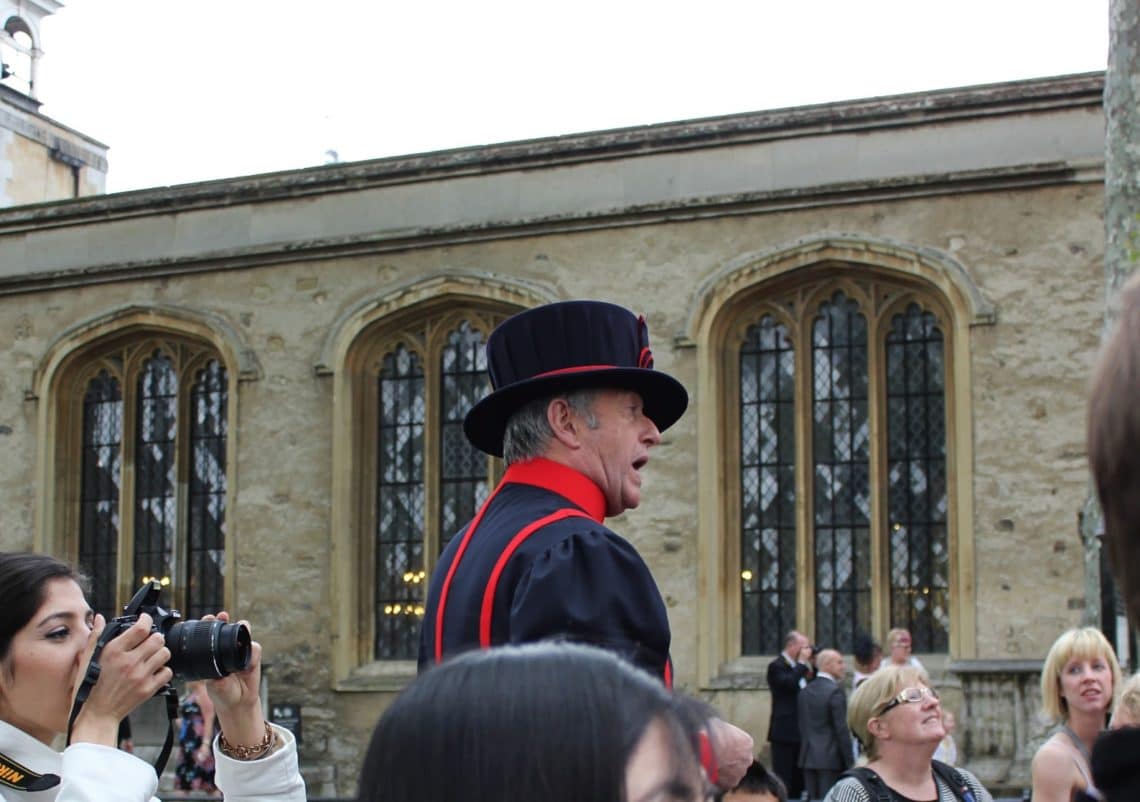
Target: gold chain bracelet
[{"x": 247, "y": 752}]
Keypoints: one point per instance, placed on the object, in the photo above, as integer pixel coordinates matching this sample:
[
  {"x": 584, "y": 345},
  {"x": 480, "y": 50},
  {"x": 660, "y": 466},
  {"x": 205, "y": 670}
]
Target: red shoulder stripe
[{"x": 501, "y": 563}]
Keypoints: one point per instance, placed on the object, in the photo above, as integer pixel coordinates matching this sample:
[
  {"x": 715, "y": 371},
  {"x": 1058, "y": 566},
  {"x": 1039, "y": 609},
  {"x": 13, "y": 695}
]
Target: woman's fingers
[{"x": 133, "y": 667}]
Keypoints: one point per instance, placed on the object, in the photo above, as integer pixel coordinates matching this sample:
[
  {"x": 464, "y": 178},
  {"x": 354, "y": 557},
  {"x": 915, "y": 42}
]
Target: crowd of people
[
  {"x": 545, "y": 648},
  {"x": 818, "y": 736}
]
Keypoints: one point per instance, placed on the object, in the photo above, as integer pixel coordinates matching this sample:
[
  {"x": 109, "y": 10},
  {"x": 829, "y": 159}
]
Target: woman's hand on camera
[
  {"x": 132, "y": 669},
  {"x": 237, "y": 698}
]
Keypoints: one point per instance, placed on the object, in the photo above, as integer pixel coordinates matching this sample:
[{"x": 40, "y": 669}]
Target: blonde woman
[
  {"x": 1077, "y": 686},
  {"x": 897, "y": 718}
]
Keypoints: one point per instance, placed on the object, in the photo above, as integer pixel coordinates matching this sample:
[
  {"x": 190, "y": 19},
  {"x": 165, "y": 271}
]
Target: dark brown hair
[
  {"x": 550, "y": 721},
  {"x": 23, "y": 585},
  {"x": 1114, "y": 444}
]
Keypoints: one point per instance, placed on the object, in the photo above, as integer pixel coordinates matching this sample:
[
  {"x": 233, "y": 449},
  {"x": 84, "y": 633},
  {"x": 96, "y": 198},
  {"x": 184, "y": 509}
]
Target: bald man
[{"x": 825, "y": 741}]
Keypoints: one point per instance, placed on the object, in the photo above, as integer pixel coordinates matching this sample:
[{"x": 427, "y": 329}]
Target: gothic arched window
[
  {"x": 842, "y": 462},
  {"x": 151, "y": 487},
  {"x": 425, "y": 480}
]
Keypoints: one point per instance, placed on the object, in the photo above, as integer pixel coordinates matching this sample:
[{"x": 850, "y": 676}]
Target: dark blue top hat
[{"x": 569, "y": 346}]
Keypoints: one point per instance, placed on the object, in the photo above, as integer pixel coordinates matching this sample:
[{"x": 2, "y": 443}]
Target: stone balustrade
[{"x": 1000, "y": 726}]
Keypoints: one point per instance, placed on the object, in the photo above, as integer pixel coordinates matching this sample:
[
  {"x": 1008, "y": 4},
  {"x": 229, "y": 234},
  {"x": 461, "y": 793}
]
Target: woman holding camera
[{"x": 47, "y": 636}]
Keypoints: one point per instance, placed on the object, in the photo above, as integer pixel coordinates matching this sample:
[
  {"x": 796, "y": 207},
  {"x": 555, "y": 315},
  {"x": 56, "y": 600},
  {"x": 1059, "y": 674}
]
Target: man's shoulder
[
  {"x": 579, "y": 527},
  {"x": 819, "y": 688},
  {"x": 571, "y": 537}
]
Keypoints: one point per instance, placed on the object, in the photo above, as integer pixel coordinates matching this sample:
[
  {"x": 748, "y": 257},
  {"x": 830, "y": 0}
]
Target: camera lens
[{"x": 207, "y": 649}]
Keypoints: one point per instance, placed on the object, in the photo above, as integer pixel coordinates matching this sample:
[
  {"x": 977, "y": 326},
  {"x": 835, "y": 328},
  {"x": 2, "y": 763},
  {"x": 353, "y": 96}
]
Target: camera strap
[
  {"x": 20, "y": 777},
  {"x": 89, "y": 680}
]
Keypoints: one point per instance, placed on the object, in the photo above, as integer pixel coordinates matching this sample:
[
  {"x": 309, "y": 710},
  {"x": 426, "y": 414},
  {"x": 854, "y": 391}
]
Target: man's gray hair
[{"x": 528, "y": 431}]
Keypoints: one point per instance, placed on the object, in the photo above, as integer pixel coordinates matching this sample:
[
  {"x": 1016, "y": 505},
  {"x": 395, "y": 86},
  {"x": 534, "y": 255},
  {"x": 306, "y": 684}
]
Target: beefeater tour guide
[{"x": 575, "y": 408}]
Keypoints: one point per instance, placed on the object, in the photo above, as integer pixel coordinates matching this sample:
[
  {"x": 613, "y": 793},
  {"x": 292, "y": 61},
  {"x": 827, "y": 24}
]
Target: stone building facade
[{"x": 885, "y": 312}]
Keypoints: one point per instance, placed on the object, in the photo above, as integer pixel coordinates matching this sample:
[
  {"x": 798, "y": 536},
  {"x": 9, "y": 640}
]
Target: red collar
[{"x": 560, "y": 479}]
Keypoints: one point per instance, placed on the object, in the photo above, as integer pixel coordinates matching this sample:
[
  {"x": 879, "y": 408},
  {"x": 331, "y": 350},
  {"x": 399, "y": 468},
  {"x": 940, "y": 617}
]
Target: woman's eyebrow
[{"x": 65, "y": 615}]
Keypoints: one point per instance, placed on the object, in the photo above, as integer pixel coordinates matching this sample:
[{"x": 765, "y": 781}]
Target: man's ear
[{"x": 564, "y": 422}]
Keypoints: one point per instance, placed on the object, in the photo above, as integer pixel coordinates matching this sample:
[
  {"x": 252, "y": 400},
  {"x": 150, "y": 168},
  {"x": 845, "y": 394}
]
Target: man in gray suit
[{"x": 825, "y": 741}]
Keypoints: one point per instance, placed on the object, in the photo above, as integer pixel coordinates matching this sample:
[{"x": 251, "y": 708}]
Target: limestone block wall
[
  {"x": 42, "y": 160},
  {"x": 36, "y": 178}
]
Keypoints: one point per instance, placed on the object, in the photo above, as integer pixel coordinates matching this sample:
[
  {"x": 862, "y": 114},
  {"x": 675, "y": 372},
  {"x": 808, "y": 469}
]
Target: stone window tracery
[
  {"x": 421, "y": 377},
  {"x": 842, "y": 497},
  {"x": 151, "y": 428}
]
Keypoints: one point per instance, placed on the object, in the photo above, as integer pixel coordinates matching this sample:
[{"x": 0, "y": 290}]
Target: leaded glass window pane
[
  {"x": 916, "y": 470},
  {"x": 100, "y": 484},
  {"x": 206, "y": 552},
  {"x": 400, "y": 572},
  {"x": 841, "y": 473},
  {"x": 155, "y": 470},
  {"x": 463, "y": 468},
  {"x": 768, "y": 488}
]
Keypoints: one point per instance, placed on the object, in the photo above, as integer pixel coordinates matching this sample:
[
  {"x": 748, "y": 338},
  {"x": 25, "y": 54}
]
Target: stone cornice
[
  {"x": 999, "y": 666},
  {"x": 916, "y": 109},
  {"x": 928, "y": 185},
  {"x": 27, "y": 122}
]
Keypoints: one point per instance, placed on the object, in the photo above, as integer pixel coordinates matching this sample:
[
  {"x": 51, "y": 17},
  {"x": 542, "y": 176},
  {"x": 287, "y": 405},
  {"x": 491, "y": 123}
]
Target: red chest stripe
[
  {"x": 451, "y": 573},
  {"x": 492, "y": 584}
]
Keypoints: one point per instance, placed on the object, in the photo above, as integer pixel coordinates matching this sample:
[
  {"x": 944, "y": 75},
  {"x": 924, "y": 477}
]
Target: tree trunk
[{"x": 1122, "y": 152}]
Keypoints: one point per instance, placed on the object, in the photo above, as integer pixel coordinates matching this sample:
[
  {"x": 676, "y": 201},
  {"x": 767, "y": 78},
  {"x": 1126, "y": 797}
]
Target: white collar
[{"x": 24, "y": 749}]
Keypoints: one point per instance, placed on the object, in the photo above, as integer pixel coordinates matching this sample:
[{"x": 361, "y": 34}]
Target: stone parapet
[{"x": 1001, "y": 727}]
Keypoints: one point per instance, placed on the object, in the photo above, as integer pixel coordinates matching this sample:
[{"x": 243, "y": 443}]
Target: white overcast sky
[{"x": 191, "y": 91}]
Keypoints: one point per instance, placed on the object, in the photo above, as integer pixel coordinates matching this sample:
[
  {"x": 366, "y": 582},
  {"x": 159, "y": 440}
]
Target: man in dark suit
[
  {"x": 825, "y": 745},
  {"x": 787, "y": 674}
]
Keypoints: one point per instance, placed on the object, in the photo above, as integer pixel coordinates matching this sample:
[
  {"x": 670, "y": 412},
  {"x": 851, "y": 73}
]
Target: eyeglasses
[{"x": 908, "y": 695}]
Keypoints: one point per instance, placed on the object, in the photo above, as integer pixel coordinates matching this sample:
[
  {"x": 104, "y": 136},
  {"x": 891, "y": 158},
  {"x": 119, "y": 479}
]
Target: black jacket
[
  {"x": 1115, "y": 768},
  {"x": 541, "y": 565},
  {"x": 784, "y": 683}
]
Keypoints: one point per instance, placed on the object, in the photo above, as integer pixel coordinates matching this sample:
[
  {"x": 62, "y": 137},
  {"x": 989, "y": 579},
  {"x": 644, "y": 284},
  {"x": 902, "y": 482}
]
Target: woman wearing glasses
[
  {"x": 897, "y": 718},
  {"x": 1077, "y": 686}
]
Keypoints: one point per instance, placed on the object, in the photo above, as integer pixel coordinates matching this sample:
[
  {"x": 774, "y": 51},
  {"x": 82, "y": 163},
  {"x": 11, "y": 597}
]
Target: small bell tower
[
  {"x": 20, "y": 42},
  {"x": 40, "y": 159}
]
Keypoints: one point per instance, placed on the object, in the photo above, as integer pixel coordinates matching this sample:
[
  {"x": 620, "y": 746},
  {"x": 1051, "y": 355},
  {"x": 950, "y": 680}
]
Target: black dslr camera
[{"x": 198, "y": 649}]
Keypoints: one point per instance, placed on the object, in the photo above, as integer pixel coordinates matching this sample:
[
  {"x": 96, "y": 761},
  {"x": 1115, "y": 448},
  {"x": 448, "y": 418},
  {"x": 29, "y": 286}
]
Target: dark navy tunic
[{"x": 541, "y": 565}]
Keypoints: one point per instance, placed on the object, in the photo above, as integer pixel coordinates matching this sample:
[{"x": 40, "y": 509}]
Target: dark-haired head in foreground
[
  {"x": 551, "y": 722},
  {"x": 758, "y": 785},
  {"x": 1114, "y": 444}
]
